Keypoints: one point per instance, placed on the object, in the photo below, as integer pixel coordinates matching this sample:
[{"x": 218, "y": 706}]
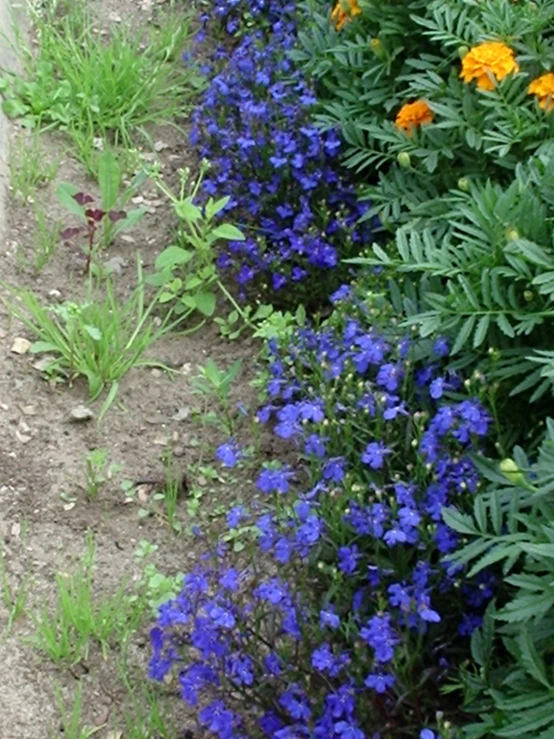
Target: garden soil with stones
[{"x": 44, "y": 514}]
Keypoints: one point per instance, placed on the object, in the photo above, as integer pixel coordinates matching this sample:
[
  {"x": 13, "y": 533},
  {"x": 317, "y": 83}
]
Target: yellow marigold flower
[
  {"x": 490, "y": 59},
  {"x": 543, "y": 88},
  {"x": 340, "y": 16},
  {"x": 413, "y": 114}
]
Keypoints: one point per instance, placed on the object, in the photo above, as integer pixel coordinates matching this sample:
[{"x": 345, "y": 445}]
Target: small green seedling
[
  {"x": 145, "y": 716},
  {"x": 98, "y": 472},
  {"x": 71, "y": 721},
  {"x": 14, "y": 599},
  {"x": 171, "y": 493},
  {"x": 155, "y": 587},
  {"x": 213, "y": 382}
]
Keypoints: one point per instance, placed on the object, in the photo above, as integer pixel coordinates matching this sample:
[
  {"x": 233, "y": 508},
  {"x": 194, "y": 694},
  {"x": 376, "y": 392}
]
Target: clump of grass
[
  {"x": 46, "y": 238},
  {"x": 71, "y": 719},
  {"x": 100, "y": 339},
  {"x": 102, "y": 88},
  {"x": 29, "y": 169},
  {"x": 65, "y": 631}
]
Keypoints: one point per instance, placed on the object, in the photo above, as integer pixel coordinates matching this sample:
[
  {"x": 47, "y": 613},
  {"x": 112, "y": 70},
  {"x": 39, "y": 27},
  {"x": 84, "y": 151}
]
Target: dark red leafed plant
[
  {"x": 95, "y": 219},
  {"x": 101, "y": 225}
]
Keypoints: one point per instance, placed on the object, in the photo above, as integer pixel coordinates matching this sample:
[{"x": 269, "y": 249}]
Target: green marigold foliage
[
  {"x": 398, "y": 52},
  {"x": 511, "y": 682},
  {"x": 486, "y": 276}
]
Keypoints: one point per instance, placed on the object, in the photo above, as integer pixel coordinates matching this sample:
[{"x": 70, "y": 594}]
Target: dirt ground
[{"x": 44, "y": 515}]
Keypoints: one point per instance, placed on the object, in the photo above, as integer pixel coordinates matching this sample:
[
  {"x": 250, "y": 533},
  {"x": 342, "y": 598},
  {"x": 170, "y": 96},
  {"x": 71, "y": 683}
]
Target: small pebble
[
  {"x": 81, "y": 414},
  {"x": 20, "y": 345}
]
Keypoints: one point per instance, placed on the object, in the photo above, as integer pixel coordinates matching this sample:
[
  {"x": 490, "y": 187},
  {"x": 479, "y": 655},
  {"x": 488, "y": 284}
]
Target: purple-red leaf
[
  {"x": 95, "y": 214},
  {"x": 83, "y": 199},
  {"x": 69, "y": 233},
  {"x": 117, "y": 215}
]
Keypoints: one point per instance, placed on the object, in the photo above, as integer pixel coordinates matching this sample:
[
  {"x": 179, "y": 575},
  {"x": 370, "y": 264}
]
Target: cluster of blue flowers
[
  {"x": 344, "y": 619},
  {"x": 235, "y": 13},
  {"x": 331, "y": 640},
  {"x": 282, "y": 172}
]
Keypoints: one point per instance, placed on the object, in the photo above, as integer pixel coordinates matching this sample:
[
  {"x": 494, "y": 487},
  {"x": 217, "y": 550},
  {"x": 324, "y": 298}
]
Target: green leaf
[
  {"x": 481, "y": 330},
  {"x": 14, "y": 108},
  {"x": 172, "y": 256},
  {"x": 228, "y": 232},
  {"x": 66, "y": 195},
  {"x": 106, "y": 406},
  {"x": 131, "y": 219},
  {"x": 499, "y": 552},
  {"x": 301, "y": 315},
  {"x": 213, "y": 208},
  {"x": 530, "y": 659},
  {"x": 539, "y": 551},
  {"x": 109, "y": 179},
  {"x": 464, "y": 334},
  {"x": 531, "y": 720},
  {"x": 93, "y": 332},
  {"x": 187, "y": 211},
  {"x": 43, "y": 346},
  {"x": 458, "y": 521},
  {"x": 205, "y": 303},
  {"x": 159, "y": 278}
]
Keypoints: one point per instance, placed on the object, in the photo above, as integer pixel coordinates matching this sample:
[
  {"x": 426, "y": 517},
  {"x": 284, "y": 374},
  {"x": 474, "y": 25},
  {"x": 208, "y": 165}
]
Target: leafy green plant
[
  {"x": 100, "y": 339},
  {"x": 187, "y": 269},
  {"x": 103, "y": 224},
  {"x": 79, "y": 616},
  {"x": 155, "y": 587},
  {"x": 98, "y": 89},
  {"x": 213, "y": 382},
  {"x": 510, "y": 680}
]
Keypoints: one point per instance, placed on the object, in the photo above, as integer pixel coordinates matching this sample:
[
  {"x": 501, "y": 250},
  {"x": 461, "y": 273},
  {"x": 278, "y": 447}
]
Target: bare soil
[{"x": 44, "y": 514}]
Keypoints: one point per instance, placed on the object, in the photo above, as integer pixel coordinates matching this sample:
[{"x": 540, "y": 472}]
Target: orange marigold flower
[
  {"x": 413, "y": 114},
  {"x": 488, "y": 60},
  {"x": 543, "y": 88},
  {"x": 340, "y": 16}
]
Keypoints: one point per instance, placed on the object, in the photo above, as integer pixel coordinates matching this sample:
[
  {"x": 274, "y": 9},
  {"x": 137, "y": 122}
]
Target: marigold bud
[
  {"x": 529, "y": 296},
  {"x": 463, "y": 184},
  {"x": 404, "y": 159},
  {"x": 511, "y": 472},
  {"x": 377, "y": 48},
  {"x": 462, "y": 51},
  {"x": 512, "y": 234}
]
